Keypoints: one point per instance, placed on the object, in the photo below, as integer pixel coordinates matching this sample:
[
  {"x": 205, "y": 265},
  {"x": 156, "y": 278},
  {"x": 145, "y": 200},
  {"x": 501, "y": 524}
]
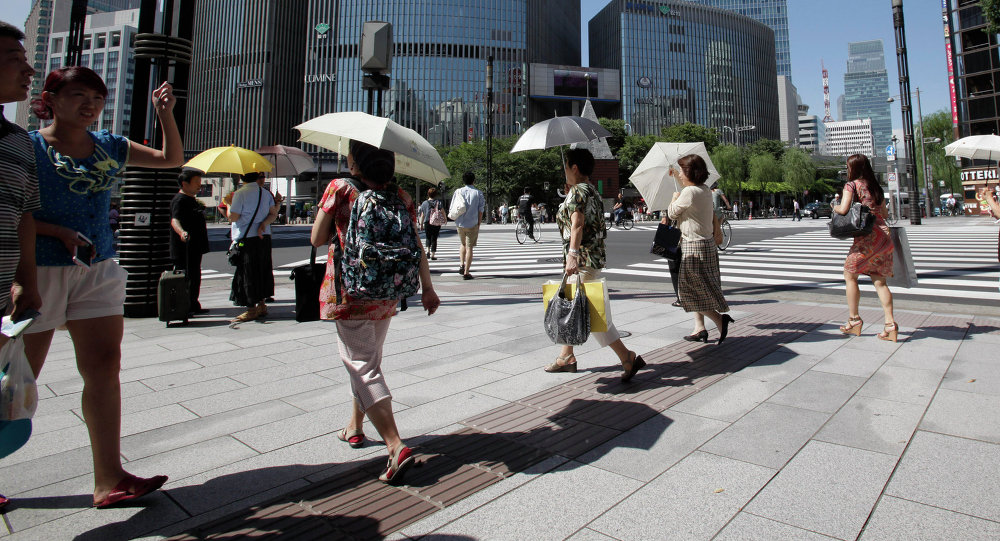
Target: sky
[{"x": 819, "y": 32}]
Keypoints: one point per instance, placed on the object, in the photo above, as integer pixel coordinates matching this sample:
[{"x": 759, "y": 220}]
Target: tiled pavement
[{"x": 787, "y": 431}]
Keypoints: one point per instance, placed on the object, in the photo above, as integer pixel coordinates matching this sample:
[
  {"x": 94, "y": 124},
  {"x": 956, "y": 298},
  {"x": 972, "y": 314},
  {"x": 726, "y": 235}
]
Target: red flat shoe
[{"x": 123, "y": 494}]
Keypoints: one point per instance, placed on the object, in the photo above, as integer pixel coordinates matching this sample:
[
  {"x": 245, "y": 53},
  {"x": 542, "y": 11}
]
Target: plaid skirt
[
  {"x": 700, "y": 285},
  {"x": 253, "y": 280}
]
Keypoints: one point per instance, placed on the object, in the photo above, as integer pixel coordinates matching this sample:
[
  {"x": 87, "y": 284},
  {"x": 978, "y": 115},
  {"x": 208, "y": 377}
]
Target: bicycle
[
  {"x": 521, "y": 231},
  {"x": 627, "y": 222},
  {"x": 727, "y": 234},
  {"x": 891, "y": 219}
]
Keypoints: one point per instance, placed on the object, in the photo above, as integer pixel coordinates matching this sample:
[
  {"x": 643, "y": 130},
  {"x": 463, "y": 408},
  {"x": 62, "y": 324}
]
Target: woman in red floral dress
[{"x": 871, "y": 254}]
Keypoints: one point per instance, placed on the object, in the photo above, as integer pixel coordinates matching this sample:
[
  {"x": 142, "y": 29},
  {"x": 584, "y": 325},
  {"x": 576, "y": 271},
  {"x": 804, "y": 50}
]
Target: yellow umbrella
[{"x": 232, "y": 160}]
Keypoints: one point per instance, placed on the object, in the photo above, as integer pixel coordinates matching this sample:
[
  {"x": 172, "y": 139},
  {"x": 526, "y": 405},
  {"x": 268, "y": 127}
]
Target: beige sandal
[
  {"x": 890, "y": 333},
  {"x": 853, "y": 326},
  {"x": 354, "y": 438},
  {"x": 564, "y": 366}
]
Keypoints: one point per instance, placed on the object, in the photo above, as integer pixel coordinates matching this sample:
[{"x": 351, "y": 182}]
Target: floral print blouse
[
  {"x": 337, "y": 201},
  {"x": 584, "y": 197}
]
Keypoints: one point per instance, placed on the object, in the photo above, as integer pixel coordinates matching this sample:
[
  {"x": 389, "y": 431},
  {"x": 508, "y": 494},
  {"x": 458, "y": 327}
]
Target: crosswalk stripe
[{"x": 958, "y": 262}]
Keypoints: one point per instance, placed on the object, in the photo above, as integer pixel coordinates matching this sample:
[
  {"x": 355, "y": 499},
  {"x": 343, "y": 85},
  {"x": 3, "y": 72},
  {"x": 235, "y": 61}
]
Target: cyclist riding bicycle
[
  {"x": 524, "y": 211},
  {"x": 718, "y": 198},
  {"x": 618, "y": 211}
]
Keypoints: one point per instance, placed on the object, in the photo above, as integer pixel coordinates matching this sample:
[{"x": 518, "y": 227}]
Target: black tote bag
[
  {"x": 858, "y": 222},
  {"x": 667, "y": 242}
]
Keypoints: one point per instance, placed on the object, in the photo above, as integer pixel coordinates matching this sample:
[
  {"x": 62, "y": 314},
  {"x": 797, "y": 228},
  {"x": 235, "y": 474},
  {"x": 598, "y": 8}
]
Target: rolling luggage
[
  {"x": 173, "y": 302},
  {"x": 308, "y": 280}
]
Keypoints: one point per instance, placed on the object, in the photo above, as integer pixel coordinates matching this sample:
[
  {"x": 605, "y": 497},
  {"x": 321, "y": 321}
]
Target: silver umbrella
[{"x": 560, "y": 131}]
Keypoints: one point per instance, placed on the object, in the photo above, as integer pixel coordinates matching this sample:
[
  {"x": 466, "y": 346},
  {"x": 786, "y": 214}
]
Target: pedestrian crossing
[
  {"x": 780, "y": 223},
  {"x": 955, "y": 262}
]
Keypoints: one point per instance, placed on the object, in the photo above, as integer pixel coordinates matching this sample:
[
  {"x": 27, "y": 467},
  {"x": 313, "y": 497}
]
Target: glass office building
[
  {"x": 246, "y": 75},
  {"x": 773, "y": 13},
  {"x": 684, "y": 62},
  {"x": 438, "y": 76},
  {"x": 973, "y": 58},
  {"x": 866, "y": 90}
]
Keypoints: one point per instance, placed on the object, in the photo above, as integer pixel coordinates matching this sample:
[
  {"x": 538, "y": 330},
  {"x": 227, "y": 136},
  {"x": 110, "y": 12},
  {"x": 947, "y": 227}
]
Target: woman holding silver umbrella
[{"x": 581, "y": 221}]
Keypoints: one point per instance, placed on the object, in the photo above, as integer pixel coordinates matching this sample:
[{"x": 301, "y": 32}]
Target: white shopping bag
[{"x": 904, "y": 274}]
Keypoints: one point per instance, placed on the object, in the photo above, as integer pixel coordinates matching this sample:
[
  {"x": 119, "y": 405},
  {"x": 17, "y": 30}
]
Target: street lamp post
[
  {"x": 902, "y": 61},
  {"x": 489, "y": 139}
]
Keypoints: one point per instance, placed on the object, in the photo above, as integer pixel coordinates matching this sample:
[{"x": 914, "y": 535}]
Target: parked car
[{"x": 817, "y": 210}]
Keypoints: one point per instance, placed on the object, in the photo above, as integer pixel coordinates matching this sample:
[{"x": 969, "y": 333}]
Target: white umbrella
[
  {"x": 976, "y": 147},
  {"x": 288, "y": 161},
  {"x": 559, "y": 131},
  {"x": 414, "y": 155},
  {"x": 652, "y": 180}
]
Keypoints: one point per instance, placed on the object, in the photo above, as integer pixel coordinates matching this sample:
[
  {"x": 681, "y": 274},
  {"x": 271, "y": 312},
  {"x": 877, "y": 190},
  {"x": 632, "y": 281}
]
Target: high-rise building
[
  {"x": 45, "y": 18},
  {"x": 773, "y": 13},
  {"x": 438, "y": 77},
  {"x": 866, "y": 89},
  {"x": 684, "y": 62},
  {"x": 788, "y": 110},
  {"x": 848, "y": 137},
  {"x": 270, "y": 64},
  {"x": 107, "y": 49},
  {"x": 812, "y": 131},
  {"x": 246, "y": 75},
  {"x": 973, "y": 69}
]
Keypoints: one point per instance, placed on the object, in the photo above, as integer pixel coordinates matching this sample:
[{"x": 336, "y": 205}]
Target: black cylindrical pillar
[{"x": 904, "y": 91}]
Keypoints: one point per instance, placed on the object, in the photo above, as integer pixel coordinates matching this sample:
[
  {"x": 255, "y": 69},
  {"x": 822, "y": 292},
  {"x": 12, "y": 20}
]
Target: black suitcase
[
  {"x": 173, "y": 302},
  {"x": 308, "y": 280}
]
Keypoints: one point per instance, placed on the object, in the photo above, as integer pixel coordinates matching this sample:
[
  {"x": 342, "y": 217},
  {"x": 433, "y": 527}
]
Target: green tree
[
  {"x": 938, "y": 125},
  {"x": 764, "y": 170},
  {"x": 618, "y": 134},
  {"x": 767, "y": 146},
  {"x": 798, "y": 169},
  {"x": 631, "y": 154},
  {"x": 730, "y": 162},
  {"x": 511, "y": 172},
  {"x": 691, "y": 133},
  {"x": 991, "y": 11}
]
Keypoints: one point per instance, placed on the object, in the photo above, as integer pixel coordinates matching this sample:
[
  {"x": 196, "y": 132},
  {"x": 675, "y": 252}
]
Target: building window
[
  {"x": 86, "y": 43},
  {"x": 116, "y": 39},
  {"x": 57, "y": 45},
  {"x": 102, "y": 40}
]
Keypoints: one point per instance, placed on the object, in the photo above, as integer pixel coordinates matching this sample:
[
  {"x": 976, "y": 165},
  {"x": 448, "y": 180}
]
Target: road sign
[
  {"x": 893, "y": 181},
  {"x": 890, "y": 153}
]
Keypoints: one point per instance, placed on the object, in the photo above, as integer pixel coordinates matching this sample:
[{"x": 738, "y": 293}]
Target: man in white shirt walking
[{"x": 468, "y": 223}]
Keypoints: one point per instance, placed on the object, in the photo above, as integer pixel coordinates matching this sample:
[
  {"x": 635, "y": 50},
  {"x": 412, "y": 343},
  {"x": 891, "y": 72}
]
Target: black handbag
[
  {"x": 567, "y": 321},
  {"x": 235, "y": 251},
  {"x": 667, "y": 242},
  {"x": 858, "y": 222},
  {"x": 308, "y": 280}
]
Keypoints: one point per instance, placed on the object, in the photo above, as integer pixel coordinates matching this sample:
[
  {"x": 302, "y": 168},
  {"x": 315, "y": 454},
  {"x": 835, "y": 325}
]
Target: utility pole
[
  {"x": 489, "y": 139},
  {"x": 928, "y": 183},
  {"x": 904, "y": 90}
]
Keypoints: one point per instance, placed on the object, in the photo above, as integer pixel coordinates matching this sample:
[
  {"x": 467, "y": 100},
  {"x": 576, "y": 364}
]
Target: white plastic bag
[{"x": 18, "y": 392}]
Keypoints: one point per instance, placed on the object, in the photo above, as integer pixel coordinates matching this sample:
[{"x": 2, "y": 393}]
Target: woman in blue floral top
[
  {"x": 77, "y": 170},
  {"x": 581, "y": 222}
]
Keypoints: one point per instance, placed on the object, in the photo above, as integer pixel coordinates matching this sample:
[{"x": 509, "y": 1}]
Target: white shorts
[{"x": 72, "y": 293}]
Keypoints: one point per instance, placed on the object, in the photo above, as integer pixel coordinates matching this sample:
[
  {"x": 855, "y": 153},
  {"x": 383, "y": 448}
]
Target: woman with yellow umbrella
[{"x": 251, "y": 209}]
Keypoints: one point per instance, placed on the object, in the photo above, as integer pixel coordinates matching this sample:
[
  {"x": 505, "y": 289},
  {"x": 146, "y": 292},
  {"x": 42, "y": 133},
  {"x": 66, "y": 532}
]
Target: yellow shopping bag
[{"x": 597, "y": 294}]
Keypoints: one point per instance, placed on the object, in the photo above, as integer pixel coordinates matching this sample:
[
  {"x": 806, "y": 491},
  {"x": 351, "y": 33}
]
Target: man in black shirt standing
[
  {"x": 189, "y": 234},
  {"x": 524, "y": 210}
]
